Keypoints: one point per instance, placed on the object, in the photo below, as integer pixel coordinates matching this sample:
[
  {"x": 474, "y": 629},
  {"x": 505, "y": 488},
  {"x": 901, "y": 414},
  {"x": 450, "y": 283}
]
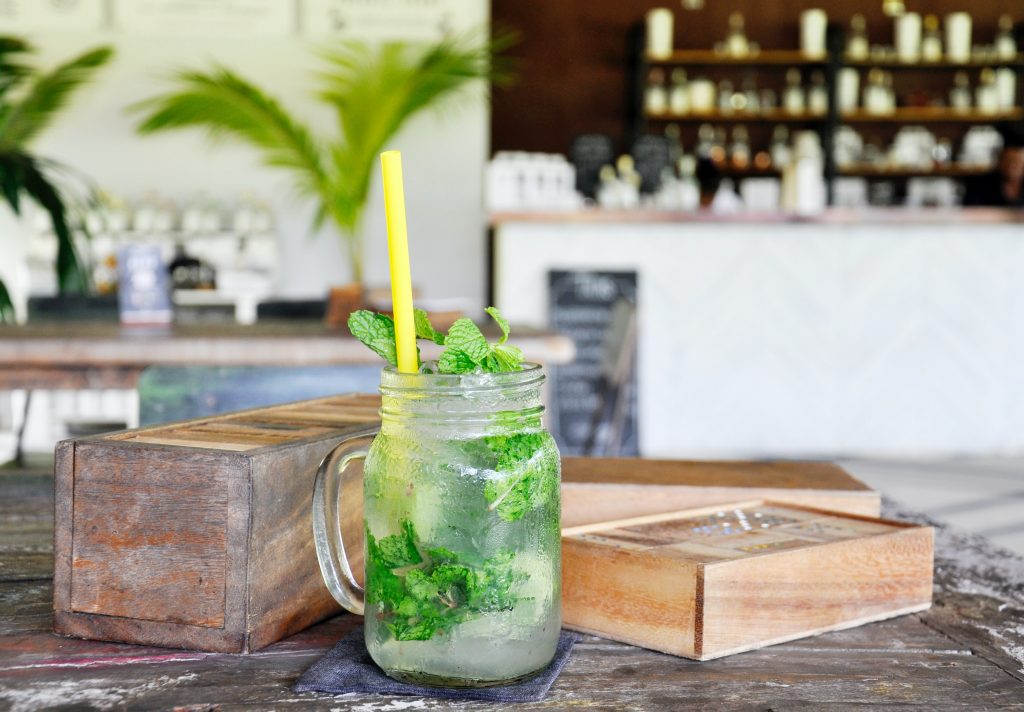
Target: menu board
[
  {"x": 390, "y": 19},
  {"x": 589, "y": 153},
  {"x": 598, "y": 311},
  {"x": 58, "y": 15},
  {"x": 248, "y": 18}
]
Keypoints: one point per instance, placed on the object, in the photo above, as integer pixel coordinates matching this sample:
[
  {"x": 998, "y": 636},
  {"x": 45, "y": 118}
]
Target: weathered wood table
[
  {"x": 93, "y": 355},
  {"x": 967, "y": 652}
]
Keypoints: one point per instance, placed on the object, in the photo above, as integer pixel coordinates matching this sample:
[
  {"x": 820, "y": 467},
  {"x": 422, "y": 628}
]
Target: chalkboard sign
[
  {"x": 588, "y": 154},
  {"x": 593, "y": 400},
  {"x": 651, "y": 156}
]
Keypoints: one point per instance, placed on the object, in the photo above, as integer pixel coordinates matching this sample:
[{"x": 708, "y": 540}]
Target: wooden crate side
[
  {"x": 630, "y": 596},
  {"x": 585, "y": 503},
  {"x": 286, "y": 590},
  {"x": 753, "y": 602},
  {"x": 63, "y": 511},
  {"x": 165, "y": 635},
  {"x": 149, "y": 539}
]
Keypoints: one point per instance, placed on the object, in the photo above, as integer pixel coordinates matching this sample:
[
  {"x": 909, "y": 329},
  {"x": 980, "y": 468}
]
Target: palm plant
[
  {"x": 29, "y": 102},
  {"x": 374, "y": 91}
]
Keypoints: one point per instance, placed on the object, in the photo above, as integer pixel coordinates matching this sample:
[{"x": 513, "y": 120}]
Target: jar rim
[{"x": 392, "y": 381}]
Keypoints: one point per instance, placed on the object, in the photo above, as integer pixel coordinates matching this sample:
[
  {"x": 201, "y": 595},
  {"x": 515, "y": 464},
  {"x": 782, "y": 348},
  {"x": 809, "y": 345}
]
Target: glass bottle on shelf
[
  {"x": 986, "y": 94},
  {"x": 679, "y": 95},
  {"x": 689, "y": 190},
  {"x": 931, "y": 40},
  {"x": 875, "y": 99},
  {"x": 753, "y": 101},
  {"x": 739, "y": 149},
  {"x": 780, "y": 151},
  {"x": 673, "y": 135},
  {"x": 890, "y": 92},
  {"x": 768, "y": 101},
  {"x": 960, "y": 94},
  {"x": 718, "y": 155},
  {"x": 817, "y": 96},
  {"x": 793, "y": 96},
  {"x": 656, "y": 95},
  {"x": 725, "y": 96},
  {"x": 736, "y": 44},
  {"x": 705, "y": 140},
  {"x": 857, "y": 46},
  {"x": 1006, "y": 45},
  {"x": 1006, "y": 87}
]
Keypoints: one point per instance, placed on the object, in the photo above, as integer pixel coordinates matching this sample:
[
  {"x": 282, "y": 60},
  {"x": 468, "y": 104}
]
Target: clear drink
[{"x": 462, "y": 523}]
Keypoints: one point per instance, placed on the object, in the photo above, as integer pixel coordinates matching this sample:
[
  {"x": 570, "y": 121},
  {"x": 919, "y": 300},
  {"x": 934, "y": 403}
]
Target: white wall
[{"x": 443, "y": 153}]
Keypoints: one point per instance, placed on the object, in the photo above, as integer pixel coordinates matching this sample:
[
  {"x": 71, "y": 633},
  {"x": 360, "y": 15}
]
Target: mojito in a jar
[{"x": 461, "y": 504}]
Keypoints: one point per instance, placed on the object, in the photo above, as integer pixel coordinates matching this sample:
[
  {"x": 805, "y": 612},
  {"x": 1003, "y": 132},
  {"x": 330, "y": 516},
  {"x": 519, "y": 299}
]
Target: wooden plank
[
  {"x": 602, "y": 489},
  {"x": 149, "y": 539}
]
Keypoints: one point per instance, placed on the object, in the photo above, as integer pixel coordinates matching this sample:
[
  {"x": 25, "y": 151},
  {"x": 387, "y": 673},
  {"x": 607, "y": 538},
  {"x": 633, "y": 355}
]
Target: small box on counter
[
  {"x": 603, "y": 489},
  {"x": 710, "y": 582}
]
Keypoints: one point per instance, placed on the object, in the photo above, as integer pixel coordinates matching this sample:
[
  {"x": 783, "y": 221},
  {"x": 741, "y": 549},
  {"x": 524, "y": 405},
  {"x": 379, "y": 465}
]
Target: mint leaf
[
  {"x": 531, "y": 482},
  {"x": 377, "y": 331},
  {"x": 454, "y": 361},
  {"x": 465, "y": 336},
  {"x": 399, "y": 550},
  {"x": 502, "y": 323},
  {"x": 426, "y": 330}
]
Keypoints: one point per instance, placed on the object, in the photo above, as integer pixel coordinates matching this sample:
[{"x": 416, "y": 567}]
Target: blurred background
[{"x": 730, "y": 229}]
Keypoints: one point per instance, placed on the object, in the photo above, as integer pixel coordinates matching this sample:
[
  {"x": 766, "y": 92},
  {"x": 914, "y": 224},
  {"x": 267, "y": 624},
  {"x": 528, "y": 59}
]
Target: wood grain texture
[
  {"x": 286, "y": 590},
  {"x": 150, "y": 534},
  {"x": 705, "y": 583},
  {"x": 603, "y": 489},
  {"x": 170, "y": 536},
  {"x": 954, "y": 656}
]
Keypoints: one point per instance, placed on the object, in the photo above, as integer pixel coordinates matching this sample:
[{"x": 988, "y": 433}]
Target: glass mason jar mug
[{"x": 462, "y": 529}]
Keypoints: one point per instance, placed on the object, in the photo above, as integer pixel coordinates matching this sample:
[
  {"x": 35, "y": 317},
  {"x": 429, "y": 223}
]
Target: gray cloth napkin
[{"x": 349, "y": 668}]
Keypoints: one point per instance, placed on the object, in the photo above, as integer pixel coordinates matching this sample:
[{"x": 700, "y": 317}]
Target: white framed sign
[
  {"x": 57, "y": 15},
  {"x": 391, "y": 19},
  {"x": 242, "y": 18}
]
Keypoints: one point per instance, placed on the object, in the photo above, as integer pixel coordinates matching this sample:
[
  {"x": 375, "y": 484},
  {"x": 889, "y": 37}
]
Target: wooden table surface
[
  {"x": 100, "y": 355},
  {"x": 967, "y": 652}
]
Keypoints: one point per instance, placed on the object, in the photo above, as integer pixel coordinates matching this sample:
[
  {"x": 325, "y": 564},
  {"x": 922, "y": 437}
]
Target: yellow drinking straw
[{"x": 398, "y": 252}]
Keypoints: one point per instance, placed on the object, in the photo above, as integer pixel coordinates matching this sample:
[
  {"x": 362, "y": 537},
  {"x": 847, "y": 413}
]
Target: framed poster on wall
[
  {"x": 424, "y": 20},
  {"x": 245, "y": 18},
  {"x": 18, "y": 16}
]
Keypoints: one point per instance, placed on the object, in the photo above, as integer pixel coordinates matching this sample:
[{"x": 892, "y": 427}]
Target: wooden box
[
  {"x": 603, "y": 489},
  {"x": 199, "y": 534},
  {"x": 705, "y": 583}
]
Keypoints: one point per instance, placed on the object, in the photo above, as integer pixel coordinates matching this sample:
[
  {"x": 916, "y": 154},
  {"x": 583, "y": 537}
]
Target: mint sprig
[
  {"x": 428, "y": 594},
  {"x": 466, "y": 348}
]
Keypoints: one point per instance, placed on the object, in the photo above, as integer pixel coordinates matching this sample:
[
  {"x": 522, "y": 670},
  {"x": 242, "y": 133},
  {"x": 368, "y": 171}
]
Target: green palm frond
[
  {"x": 227, "y": 105},
  {"x": 6, "y": 305},
  {"x": 46, "y": 96},
  {"x": 375, "y": 91},
  {"x": 12, "y": 72}
]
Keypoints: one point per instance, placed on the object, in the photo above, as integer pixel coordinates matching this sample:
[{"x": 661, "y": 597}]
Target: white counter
[{"x": 883, "y": 333}]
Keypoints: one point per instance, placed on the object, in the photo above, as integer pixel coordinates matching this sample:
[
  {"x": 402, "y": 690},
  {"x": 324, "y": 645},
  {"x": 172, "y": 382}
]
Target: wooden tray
[
  {"x": 709, "y": 582},
  {"x": 603, "y": 489}
]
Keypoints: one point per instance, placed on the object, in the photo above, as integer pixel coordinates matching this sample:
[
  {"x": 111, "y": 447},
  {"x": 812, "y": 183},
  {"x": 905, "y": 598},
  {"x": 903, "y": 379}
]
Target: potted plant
[
  {"x": 29, "y": 102},
  {"x": 374, "y": 90}
]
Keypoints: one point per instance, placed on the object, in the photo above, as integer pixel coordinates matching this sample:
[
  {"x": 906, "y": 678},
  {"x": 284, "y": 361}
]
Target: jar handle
[{"x": 331, "y": 479}]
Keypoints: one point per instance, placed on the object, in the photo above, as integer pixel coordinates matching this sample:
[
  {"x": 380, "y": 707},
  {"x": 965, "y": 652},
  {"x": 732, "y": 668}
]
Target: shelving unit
[
  {"x": 764, "y": 58},
  {"x": 930, "y": 114},
  {"x": 827, "y": 125},
  {"x": 777, "y": 116}
]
